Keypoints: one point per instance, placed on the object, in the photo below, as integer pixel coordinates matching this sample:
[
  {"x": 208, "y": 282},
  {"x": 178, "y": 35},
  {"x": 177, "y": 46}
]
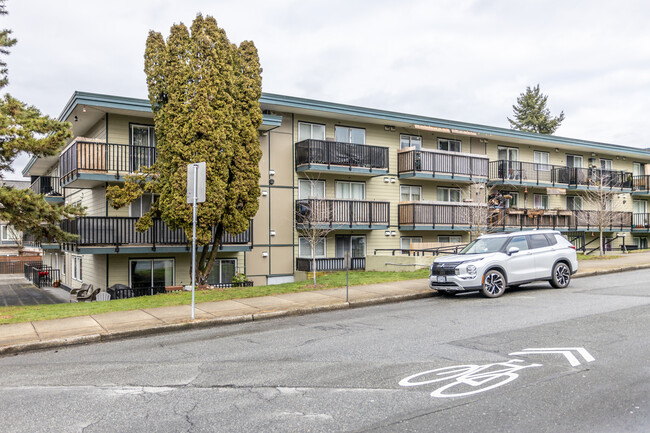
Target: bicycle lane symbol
[{"x": 468, "y": 379}]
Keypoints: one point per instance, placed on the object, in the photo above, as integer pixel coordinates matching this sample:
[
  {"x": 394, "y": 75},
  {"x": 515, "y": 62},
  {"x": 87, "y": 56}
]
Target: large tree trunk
[{"x": 205, "y": 263}]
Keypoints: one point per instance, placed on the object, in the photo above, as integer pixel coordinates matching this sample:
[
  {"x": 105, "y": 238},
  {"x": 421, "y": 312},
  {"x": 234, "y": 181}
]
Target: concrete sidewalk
[{"x": 109, "y": 326}]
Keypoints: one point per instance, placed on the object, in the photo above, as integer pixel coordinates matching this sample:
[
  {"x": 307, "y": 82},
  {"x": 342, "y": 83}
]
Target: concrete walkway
[
  {"x": 109, "y": 326},
  {"x": 16, "y": 290}
]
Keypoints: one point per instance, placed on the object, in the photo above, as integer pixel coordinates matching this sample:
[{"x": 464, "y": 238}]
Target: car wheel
[
  {"x": 561, "y": 275},
  {"x": 494, "y": 284}
]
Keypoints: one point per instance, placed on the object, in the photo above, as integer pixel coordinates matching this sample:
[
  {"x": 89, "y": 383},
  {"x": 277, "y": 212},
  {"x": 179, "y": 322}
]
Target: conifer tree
[
  {"x": 204, "y": 93},
  {"x": 24, "y": 129},
  {"x": 532, "y": 115}
]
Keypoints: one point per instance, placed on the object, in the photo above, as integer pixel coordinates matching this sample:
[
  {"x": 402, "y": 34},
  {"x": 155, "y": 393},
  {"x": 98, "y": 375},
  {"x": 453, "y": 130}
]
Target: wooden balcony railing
[
  {"x": 48, "y": 185},
  {"x": 317, "y": 211},
  {"x": 641, "y": 183},
  {"x": 96, "y": 157},
  {"x": 436, "y": 162},
  {"x": 330, "y": 264},
  {"x": 336, "y": 153},
  {"x": 641, "y": 221},
  {"x": 119, "y": 231},
  {"x": 433, "y": 214}
]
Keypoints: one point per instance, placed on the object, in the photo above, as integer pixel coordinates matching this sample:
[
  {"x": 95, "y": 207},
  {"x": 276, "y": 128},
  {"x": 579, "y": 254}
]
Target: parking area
[{"x": 15, "y": 290}]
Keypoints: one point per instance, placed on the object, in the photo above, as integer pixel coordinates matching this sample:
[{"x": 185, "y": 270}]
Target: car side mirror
[{"x": 513, "y": 250}]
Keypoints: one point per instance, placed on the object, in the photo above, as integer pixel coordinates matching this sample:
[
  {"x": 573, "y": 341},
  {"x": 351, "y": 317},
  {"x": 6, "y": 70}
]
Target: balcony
[
  {"x": 342, "y": 214},
  {"x": 439, "y": 164},
  {"x": 334, "y": 156},
  {"x": 573, "y": 220},
  {"x": 50, "y": 187},
  {"x": 525, "y": 173},
  {"x": 641, "y": 222},
  {"x": 330, "y": 264},
  {"x": 590, "y": 178},
  {"x": 641, "y": 184},
  {"x": 119, "y": 232},
  {"x": 85, "y": 164},
  {"x": 438, "y": 216}
]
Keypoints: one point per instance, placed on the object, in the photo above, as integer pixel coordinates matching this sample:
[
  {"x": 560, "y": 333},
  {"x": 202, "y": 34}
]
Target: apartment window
[
  {"x": 638, "y": 169},
  {"x": 143, "y": 135},
  {"x": 151, "y": 273},
  {"x": 311, "y": 188},
  {"x": 223, "y": 271},
  {"x": 347, "y": 134},
  {"x": 449, "y": 144},
  {"x": 609, "y": 204},
  {"x": 141, "y": 205},
  {"x": 574, "y": 161},
  {"x": 449, "y": 194},
  {"x": 450, "y": 239},
  {"x": 8, "y": 233},
  {"x": 514, "y": 201},
  {"x": 351, "y": 190},
  {"x": 406, "y": 140},
  {"x": 606, "y": 164},
  {"x": 312, "y": 131},
  {"x": 540, "y": 201},
  {"x": 63, "y": 264},
  {"x": 410, "y": 193},
  {"x": 304, "y": 248},
  {"x": 356, "y": 245},
  {"x": 573, "y": 202},
  {"x": 542, "y": 160},
  {"x": 406, "y": 241},
  {"x": 508, "y": 153},
  {"x": 641, "y": 243},
  {"x": 76, "y": 268}
]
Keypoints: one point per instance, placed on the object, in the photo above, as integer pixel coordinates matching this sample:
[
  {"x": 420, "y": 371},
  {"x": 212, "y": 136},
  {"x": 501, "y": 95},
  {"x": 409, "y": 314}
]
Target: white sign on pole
[{"x": 200, "y": 182}]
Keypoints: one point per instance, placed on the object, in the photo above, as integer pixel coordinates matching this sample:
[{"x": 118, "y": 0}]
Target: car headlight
[{"x": 471, "y": 269}]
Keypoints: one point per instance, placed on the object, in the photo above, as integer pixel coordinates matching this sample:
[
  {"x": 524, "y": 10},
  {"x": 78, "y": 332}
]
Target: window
[
  {"x": 573, "y": 202},
  {"x": 449, "y": 144},
  {"x": 345, "y": 134},
  {"x": 151, "y": 273},
  {"x": 410, "y": 141},
  {"x": 542, "y": 160},
  {"x": 606, "y": 164},
  {"x": 640, "y": 206},
  {"x": 449, "y": 194},
  {"x": 450, "y": 239},
  {"x": 538, "y": 241},
  {"x": 540, "y": 201},
  {"x": 143, "y": 140},
  {"x": 76, "y": 268},
  {"x": 351, "y": 190},
  {"x": 519, "y": 242},
  {"x": 410, "y": 193},
  {"x": 8, "y": 233},
  {"x": 311, "y": 188},
  {"x": 63, "y": 264},
  {"x": 641, "y": 243},
  {"x": 406, "y": 241},
  {"x": 310, "y": 131},
  {"x": 304, "y": 248},
  {"x": 141, "y": 205},
  {"x": 143, "y": 135},
  {"x": 355, "y": 244},
  {"x": 574, "y": 161},
  {"x": 608, "y": 204},
  {"x": 514, "y": 201},
  {"x": 638, "y": 169},
  {"x": 222, "y": 271},
  {"x": 508, "y": 153}
]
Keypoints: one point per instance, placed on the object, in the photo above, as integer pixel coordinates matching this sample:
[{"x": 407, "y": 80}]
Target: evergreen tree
[
  {"x": 531, "y": 114},
  {"x": 204, "y": 93},
  {"x": 24, "y": 129}
]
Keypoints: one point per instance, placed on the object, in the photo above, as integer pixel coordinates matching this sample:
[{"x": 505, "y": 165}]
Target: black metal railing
[
  {"x": 41, "y": 275},
  {"x": 134, "y": 292},
  {"x": 559, "y": 219},
  {"x": 439, "y": 162},
  {"x": 350, "y": 155},
  {"x": 121, "y": 231},
  {"x": 48, "y": 185},
  {"x": 436, "y": 251},
  {"x": 316, "y": 211},
  {"x": 641, "y": 183},
  {"x": 432, "y": 214},
  {"x": 95, "y": 157},
  {"x": 520, "y": 172},
  {"x": 330, "y": 264},
  {"x": 593, "y": 177}
]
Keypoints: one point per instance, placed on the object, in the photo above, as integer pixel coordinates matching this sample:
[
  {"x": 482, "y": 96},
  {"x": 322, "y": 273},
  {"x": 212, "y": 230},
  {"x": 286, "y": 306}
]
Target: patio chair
[
  {"x": 89, "y": 295},
  {"x": 103, "y": 296},
  {"x": 75, "y": 293}
]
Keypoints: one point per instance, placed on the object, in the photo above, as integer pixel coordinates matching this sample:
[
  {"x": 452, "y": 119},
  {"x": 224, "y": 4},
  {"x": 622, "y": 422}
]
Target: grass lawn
[
  {"x": 595, "y": 256},
  {"x": 59, "y": 311}
]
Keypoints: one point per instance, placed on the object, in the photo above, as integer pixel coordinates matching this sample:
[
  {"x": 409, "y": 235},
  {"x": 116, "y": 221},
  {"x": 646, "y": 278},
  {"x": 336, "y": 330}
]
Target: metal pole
[
  {"x": 347, "y": 275},
  {"x": 196, "y": 174}
]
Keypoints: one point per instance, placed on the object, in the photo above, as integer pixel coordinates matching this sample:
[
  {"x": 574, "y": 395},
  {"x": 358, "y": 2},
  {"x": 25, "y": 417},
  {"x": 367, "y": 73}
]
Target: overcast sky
[{"x": 458, "y": 59}]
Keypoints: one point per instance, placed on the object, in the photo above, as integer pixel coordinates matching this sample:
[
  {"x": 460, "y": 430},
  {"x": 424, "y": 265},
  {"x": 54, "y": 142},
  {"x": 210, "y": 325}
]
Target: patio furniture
[
  {"x": 88, "y": 295},
  {"x": 103, "y": 296},
  {"x": 75, "y": 293}
]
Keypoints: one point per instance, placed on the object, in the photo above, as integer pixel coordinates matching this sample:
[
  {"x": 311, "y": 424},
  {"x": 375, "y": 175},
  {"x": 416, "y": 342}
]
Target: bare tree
[{"x": 483, "y": 209}]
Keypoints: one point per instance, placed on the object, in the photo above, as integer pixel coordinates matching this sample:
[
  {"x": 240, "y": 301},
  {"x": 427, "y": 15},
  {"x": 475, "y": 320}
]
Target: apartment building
[{"x": 373, "y": 182}]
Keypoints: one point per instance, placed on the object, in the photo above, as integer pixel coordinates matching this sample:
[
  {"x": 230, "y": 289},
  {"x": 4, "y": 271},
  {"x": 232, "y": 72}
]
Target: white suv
[{"x": 493, "y": 262}]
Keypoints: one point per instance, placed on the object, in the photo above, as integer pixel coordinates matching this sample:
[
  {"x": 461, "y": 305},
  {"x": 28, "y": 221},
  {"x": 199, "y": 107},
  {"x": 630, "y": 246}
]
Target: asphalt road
[{"x": 345, "y": 370}]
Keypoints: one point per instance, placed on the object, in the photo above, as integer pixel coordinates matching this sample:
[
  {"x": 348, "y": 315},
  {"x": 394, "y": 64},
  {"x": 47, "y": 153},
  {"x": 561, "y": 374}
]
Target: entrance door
[
  {"x": 356, "y": 245},
  {"x": 640, "y": 214},
  {"x": 146, "y": 273},
  {"x": 509, "y": 167}
]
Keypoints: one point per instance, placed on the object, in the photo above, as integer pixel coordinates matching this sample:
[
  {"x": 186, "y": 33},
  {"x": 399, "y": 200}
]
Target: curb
[
  {"x": 201, "y": 324},
  {"x": 611, "y": 271}
]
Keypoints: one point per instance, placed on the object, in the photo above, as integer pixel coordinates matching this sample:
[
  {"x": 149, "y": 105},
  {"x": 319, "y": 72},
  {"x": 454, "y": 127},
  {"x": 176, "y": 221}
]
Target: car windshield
[{"x": 484, "y": 245}]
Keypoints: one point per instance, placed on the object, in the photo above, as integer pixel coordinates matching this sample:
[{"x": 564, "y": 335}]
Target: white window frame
[
  {"x": 218, "y": 263},
  {"x": 144, "y": 259},
  {"x": 543, "y": 197},
  {"x": 538, "y": 157},
  {"x": 449, "y": 142},
  {"x": 62, "y": 264},
  {"x": 448, "y": 190},
  {"x": 132, "y": 209},
  {"x": 449, "y": 237},
  {"x": 638, "y": 169},
  {"x": 349, "y": 183},
  {"x": 410, "y": 138},
  {"x": 311, "y": 131},
  {"x": 410, "y": 192},
  {"x": 77, "y": 264},
  {"x": 608, "y": 162},
  {"x": 304, "y": 242},
  {"x": 151, "y": 134},
  {"x": 515, "y": 195},
  {"x": 411, "y": 239},
  {"x": 579, "y": 157},
  {"x": 302, "y": 183},
  {"x": 574, "y": 198},
  {"x": 350, "y": 128}
]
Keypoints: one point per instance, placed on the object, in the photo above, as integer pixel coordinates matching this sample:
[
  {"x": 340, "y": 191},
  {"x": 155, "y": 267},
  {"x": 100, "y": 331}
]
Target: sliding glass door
[{"x": 151, "y": 273}]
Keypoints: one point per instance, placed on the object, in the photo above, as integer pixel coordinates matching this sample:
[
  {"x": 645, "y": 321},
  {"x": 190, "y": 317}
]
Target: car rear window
[
  {"x": 551, "y": 239},
  {"x": 538, "y": 241}
]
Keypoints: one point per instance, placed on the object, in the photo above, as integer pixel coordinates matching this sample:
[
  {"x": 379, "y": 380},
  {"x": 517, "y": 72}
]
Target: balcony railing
[
  {"x": 119, "y": 231},
  {"x": 558, "y": 219},
  {"x": 440, "y": 162},
  {"x": 330, "y": 264},
  {"x": 335, "y": 153},
  {"x": 316, "y": 211},
  {"x": 641, "y": 183},
  {"x": 432, "y": 214},
  {"x": 523, "y": 172},
  {"x": 641, "y": 221},
  {"x": 48, "y": 185},
  {"x": 593, "y": 177},
  {"x": 95, "y": 157}
]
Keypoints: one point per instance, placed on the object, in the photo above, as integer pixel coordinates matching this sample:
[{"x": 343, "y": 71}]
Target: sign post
[
  {"x": 195, "y": 194},
  {"x": 347, "y": 275}
]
